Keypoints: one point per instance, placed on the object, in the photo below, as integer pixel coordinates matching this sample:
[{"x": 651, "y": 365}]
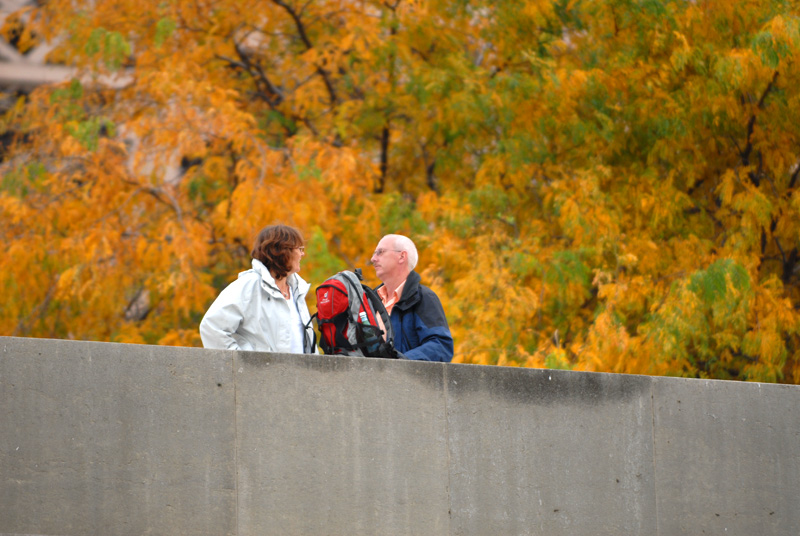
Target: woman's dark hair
[{"x": 274, "y": 246}]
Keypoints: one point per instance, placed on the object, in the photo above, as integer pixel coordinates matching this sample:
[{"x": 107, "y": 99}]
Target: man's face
[{"x": 386, "y": 260}]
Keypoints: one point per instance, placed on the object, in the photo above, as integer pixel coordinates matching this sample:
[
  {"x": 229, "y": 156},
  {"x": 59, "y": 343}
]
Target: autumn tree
[
  {"x": 636, "y": 212},
  {"x": 606, "y": 185}
]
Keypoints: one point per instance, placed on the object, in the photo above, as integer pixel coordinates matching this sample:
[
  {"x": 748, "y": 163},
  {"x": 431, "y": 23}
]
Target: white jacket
[{"x": 252, "y": 314}]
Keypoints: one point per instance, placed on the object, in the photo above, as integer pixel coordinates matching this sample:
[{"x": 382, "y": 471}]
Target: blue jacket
[{"x": 419, "y": 325}]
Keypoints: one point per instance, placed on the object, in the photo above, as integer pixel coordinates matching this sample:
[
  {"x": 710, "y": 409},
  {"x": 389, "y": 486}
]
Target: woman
[{"x": 265, "y": 308}]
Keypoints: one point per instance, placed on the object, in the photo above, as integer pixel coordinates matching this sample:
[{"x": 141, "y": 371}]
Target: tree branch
[
  {"x": 22, "y": 329},
  {"x": 751, "y": 123},
  {"x": 261, "y": 75},
  {"x": 789, "y": 263},
  {"x": 430, "y": 177},
  {"x": 307, "y": 42},
  {"x": 385, "y": 134},
  {"x": 794, "y": 177}
]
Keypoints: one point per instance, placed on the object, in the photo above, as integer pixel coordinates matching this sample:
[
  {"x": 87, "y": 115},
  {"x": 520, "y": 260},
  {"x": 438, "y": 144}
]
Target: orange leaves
[
  {"x": 502, "y": 306},
  {"x": 601, "y": 186}
]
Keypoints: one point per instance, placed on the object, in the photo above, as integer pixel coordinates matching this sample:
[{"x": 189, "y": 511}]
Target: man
[{"x": 418, "y": 321}]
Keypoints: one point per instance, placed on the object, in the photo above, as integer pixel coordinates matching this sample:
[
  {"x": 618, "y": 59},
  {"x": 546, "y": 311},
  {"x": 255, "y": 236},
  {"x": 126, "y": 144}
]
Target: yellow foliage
[{"x": 599, "y": 187}]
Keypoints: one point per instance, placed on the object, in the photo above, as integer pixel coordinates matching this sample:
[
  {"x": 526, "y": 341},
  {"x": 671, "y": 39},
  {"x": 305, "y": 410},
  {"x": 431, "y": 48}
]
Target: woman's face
[{"x": 295, "y": 255}]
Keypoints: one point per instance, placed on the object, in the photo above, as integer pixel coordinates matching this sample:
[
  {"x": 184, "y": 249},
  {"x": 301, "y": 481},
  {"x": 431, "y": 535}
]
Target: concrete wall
[{"x": 100, "y": 438}]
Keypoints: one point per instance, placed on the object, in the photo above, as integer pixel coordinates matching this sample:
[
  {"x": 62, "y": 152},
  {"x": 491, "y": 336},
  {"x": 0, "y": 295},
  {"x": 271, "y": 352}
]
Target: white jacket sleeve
[{"x": 222, "y": 320}]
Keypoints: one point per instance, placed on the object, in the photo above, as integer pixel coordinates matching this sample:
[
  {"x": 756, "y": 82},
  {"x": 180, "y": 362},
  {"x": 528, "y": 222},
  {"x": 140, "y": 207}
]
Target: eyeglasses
[
  {"x": 301, "y": 248},
  {"x": 381, "y": 251}
]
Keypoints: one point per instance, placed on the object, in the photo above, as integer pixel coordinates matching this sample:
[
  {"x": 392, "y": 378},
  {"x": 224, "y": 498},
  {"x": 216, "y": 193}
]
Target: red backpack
[{"x": 347, "y": 318}]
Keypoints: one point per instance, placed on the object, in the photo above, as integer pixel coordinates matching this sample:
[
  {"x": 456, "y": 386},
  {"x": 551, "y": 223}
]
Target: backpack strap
[
  {"x": 380, "y": 309},
  {"x": 313, "y": 346}
]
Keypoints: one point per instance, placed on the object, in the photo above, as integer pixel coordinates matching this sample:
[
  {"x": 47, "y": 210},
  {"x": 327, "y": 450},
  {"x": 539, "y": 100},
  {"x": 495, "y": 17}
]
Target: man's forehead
[{"x": 386, "y": 242}]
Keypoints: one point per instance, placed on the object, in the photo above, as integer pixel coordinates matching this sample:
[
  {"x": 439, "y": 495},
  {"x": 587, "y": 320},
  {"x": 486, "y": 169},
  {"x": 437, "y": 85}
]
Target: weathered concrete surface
[
  {"x": 727, "y": 458},
  {"x": 115, "y": 439},
  {"x": 340, "y": 446},
  {"x": 125, "y": 439},
  {"x": 550, "y": 452}
]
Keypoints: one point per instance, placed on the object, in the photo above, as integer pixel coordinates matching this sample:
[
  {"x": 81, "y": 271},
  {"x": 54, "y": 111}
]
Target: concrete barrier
[{"x": 99, "y": 438}]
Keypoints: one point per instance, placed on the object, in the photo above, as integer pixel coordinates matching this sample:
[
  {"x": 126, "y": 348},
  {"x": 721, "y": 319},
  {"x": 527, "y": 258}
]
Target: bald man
[{"x": 420, "y": 327}]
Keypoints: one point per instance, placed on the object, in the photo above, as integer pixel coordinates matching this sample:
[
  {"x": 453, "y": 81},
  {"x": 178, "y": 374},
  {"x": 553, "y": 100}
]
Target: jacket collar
[
  {"x": 410, "y": 295},
  {"x": 298, "y": 284}
]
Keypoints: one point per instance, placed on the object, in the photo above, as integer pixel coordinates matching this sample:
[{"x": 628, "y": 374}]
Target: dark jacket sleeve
[{"x": 433, "y": 339}]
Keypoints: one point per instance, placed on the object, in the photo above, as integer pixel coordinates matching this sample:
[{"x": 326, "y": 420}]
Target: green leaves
[
  {"x": 704, "y": 318},
  {"x": 164, "y": 29},
  {"x": 66, "y": 101},
  {"x": 111, "y": 46},
  {"x": 89, "y": 132},
  {"x": 779, "y": 40},
  {"x": 724, "y": 287}
]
